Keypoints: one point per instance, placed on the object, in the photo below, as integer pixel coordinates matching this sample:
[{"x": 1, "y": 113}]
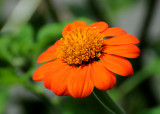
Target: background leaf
[
  {"x": 5, "y": 54},
  {"x": 8, "y": 77},
  {"x": 51, "y": 33},
  {"x": 23, "y": 42}
]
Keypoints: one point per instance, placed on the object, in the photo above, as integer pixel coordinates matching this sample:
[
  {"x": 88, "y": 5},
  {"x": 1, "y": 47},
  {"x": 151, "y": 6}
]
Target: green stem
[{"x": 110, "y": 106}]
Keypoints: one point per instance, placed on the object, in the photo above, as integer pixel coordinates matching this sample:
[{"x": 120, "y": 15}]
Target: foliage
[{"x": 19, "y": 51}]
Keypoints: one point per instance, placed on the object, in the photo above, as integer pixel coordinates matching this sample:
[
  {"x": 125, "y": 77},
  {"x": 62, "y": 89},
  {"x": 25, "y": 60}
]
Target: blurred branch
[
  {"x": 52, "y": 10},
  {"x": 20, "y": 15}
]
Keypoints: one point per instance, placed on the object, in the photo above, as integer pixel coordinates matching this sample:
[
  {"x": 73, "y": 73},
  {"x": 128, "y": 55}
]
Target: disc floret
[{"x": 80, "y": 45}]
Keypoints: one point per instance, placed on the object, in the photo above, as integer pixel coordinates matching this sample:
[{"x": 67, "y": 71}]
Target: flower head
[{"x": 86, "y": 57}]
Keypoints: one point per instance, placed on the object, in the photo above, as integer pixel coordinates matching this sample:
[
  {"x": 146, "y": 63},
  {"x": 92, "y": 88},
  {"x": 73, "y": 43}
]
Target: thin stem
[
  {"x": 110, "y": 106},
  {"x": 107, "y": 109}
]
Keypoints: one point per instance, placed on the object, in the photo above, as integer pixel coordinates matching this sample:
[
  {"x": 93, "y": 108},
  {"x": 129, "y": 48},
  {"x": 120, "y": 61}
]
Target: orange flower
[{"x": 86, "y": 58}]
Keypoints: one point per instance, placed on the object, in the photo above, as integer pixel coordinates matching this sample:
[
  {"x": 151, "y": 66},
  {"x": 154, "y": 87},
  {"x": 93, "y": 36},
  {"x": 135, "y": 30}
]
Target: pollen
[{"x": 81, "y": 45}]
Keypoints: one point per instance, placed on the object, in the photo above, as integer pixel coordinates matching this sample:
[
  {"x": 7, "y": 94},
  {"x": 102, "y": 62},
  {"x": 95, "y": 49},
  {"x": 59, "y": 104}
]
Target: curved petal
[
  {"x": 102, "y": 78},
  {"x": 72, "y": 26},
  {"x": 49, "y": 74},
  {"x": 79, "y": 23},
  {"x": 129, "y": 51},
  {"x": 123, "y": 39},
  {"x": 80, "y": 84},
  {"x": 40, "y": 72},
  {"x": 114, "y": 31},
  {"x": 57, "y": 79},
  {"x": 116, "y": 64},
  {"x": 49, "y": 54},
  {"x": 67, "y": 28},
  {"x": 100, "y": 26}
]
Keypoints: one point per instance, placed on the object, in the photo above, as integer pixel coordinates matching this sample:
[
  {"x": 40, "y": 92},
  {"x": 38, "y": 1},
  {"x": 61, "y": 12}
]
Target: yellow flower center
[{"x": 80, "y": 46}]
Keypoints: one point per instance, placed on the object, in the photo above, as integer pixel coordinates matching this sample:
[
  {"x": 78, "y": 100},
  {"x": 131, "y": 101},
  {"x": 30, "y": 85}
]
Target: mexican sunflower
[{"x": 86, "y": 57}]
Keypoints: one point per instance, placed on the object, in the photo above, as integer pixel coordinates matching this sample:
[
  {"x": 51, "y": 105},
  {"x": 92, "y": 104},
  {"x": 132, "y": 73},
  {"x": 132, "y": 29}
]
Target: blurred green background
[{"x": 28, "y": 27}]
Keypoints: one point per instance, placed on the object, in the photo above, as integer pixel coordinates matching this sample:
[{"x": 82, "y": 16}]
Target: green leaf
[
  {"x": 8, "y": 77},
  {"x": 3, "y": 99},
  {"x": 23, "y": 41},
  {"x": 5, "y": 41},
  {"x": 50, "y": 33}
]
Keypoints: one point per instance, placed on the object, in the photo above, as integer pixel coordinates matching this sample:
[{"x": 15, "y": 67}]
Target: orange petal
[
  {"x": 80, "y": 84},
  {"x": 40, "y": 72},
  {"x": 114, "y": 31},
  {"x": 49, "y": 74},
  {"x": 49, "y": 54},
  {"x": 117, "y": 64},
  {"x": 72, "y": 26},
  {"x": 119, "y": 40},
  {"x": 102, "y": 78},
  {"x": 130, "y": 50},
  {"x": 101, "y": 26},
  {"x": 67, "y": 28},
  {"x": 57, "y": 79},
  {"x": 79, "y": 23}
]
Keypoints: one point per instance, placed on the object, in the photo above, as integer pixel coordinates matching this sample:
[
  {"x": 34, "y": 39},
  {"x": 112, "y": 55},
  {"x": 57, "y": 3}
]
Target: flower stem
[{"x": 110, "y": 106}]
